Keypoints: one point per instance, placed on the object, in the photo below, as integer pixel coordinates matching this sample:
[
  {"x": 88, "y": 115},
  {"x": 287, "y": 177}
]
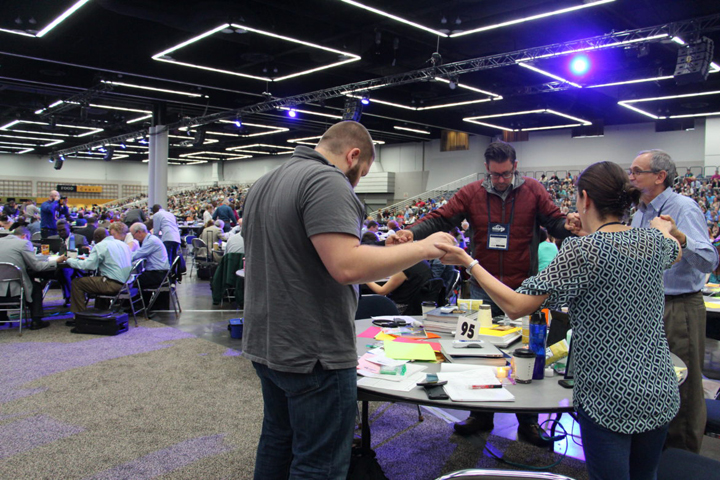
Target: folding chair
[
  {"x": 9, "y": 274},
  {"x": 129, "y": 291},
  {"x": 168, "y": 284},
  {"x": 36, "y": 237},
  {"x": 199, "y": 252}
]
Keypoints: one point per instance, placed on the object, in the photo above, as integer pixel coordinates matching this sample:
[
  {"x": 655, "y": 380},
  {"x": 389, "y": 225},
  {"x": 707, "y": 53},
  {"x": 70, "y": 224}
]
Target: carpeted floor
[{"x": 158, "y": 402}]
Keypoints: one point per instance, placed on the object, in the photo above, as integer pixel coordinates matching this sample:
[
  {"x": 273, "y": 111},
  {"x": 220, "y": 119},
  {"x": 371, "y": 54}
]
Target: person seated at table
[
  {"x": 17, "y": 249},
  {"x": 10, "y": 209},
  {"x": 88, "y": 230},
  {"x": 111, "y": 258},
  {"x": 155, "y": 254},
  {"x": 402, "y": 287},
  {"x": 64, "y": 274},
  {"x": 80, "y": 221},
  {"x": 211, "y": 233},
  {"x": 5, "y": 222},
  {"x": 235, "y": 244},
  {"x": 626, "y": 391}
]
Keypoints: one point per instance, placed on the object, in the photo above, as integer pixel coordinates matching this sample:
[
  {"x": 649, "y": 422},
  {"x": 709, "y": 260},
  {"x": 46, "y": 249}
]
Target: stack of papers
[
  {"x": 369, "y": 367},
  {"x": 460, "y": 378}
]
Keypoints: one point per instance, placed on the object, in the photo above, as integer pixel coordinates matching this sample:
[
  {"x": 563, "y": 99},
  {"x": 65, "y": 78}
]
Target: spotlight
[
  {"x": 453, "y": 82},
  {"x": 122, "y": 145},
  {"x": 238, "y": 121},
  {"x": 51, "y": 159},
  {"x": 365, "y": 100},
  {"x": 292, "y": 113},
  {"x": 143, "y": 140},
  {"x": 580, "y": 65},
  {"x": 102, "y": 150},
  {"x": 109, "y": 152}
]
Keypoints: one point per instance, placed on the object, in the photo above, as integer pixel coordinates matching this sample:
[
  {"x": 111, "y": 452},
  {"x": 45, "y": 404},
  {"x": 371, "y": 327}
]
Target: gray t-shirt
[{"x": 296, "y": 314}]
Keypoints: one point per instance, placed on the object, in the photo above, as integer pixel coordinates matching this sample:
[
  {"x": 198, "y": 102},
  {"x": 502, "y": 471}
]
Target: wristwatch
[{"x": 469, "y": 268}]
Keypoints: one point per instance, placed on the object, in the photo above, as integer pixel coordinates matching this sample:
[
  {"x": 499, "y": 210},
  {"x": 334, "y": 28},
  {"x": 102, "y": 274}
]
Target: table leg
[{"x": 365, "y": 431}]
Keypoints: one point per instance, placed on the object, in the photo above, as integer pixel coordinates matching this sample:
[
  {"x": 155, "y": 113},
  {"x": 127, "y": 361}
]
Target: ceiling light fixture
[
  {"x": 424, "y": 132},
  {"x": 63, "y": 16},
  {"x": 140, "y": 119},
  {"x": 310, "y": 112},
  {"x": 628, "y": 104},
  {"x": 530, "y": 18},
  {"x": 526, "y": 112},
  {"x": 398, "y": 19},
  {"x": 345, "y": 57},
  {"x": 547, "y": 74}
]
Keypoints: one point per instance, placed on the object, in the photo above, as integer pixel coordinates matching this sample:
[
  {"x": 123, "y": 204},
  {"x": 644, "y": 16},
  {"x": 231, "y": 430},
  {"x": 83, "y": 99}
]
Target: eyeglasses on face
[
  {"x": 636, "y": 171},
  {"x": 505, "y": 175}
]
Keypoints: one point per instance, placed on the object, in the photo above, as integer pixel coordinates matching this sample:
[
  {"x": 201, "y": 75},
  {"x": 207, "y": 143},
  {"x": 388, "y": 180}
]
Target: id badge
[{"x": 498, "y": 236}]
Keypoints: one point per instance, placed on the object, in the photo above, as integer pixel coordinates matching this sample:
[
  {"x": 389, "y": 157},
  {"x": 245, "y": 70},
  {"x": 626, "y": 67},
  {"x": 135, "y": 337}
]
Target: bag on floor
[
  {"x": 100, "y": 322},
  {"x": 206, "y": 270}
]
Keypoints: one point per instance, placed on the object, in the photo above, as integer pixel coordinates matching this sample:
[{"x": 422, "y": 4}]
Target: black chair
[
  {"x": 199, "y": 253},
  {"x": 168, "y": 284},
  {"x": 129, "y": 291},
  {"x": 676, "y": 463},
  {"x": 10, "y": 274},
  {"x": 374, "y": 306}
]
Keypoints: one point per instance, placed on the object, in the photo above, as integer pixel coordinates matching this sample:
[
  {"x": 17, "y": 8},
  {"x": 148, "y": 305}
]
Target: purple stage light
[
  {"x": 292, "y": 113},
  {"x": 580, "y": 65}
]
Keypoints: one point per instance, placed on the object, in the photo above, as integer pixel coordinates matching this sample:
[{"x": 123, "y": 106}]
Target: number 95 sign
[{"x": 467, "y": 329}]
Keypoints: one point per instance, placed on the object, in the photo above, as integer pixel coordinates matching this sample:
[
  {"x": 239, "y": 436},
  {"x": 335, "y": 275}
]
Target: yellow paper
[
  {"x": 712, "y": 305},
  {"x": 384, "y": 336},
  {"x": 409, "y": 351}
]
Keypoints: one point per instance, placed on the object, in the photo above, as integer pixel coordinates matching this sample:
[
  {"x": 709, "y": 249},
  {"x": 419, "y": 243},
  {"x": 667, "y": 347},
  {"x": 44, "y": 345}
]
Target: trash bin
[{"x": 236, "y": 327}]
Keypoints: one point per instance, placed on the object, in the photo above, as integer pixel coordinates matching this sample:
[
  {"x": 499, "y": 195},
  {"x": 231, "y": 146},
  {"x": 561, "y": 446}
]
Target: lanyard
[{"x": 512, "y": 209}]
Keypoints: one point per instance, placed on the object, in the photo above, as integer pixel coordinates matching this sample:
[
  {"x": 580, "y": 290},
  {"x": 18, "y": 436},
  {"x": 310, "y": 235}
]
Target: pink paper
[{"x": 370, "y": 332}]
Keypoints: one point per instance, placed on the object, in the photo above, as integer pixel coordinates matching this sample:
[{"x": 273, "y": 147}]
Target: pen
[{"x": 478, "y": 387}]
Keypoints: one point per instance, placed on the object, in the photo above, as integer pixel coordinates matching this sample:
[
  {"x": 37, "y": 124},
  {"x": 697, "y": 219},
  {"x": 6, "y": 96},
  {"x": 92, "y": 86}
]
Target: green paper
[{"x": 409, "y": 351}]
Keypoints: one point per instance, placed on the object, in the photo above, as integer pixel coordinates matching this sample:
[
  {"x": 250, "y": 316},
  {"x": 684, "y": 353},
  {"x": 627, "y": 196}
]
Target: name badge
[{"x": 498, "y": 236}]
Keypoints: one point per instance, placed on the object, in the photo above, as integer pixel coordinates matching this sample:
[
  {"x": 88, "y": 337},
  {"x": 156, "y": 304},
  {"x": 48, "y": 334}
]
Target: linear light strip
[
  {"x": 687, "y": 95},
  {"x": 628, "y": 82},
  {"x": 313, "y": 70},
  {"x": 468, "y": 87},
  {"x": 139, "y": 119},
  {"x": 210, "y": 69},
  {"x": 594, "y": 47},
  {"x": 191, "y": 41},
  {"x": 695, "y": 115},
  {"x": 124, "y": 109},
  {"x": 62, "y": 17},
  {"x": 310, "y": 112},
  {"x": 17, "y": 32},
  {"x": 487, "y": 124},
  {"x": 643, "y": 112},
  {"x": 383, "y": 102},
  {"x": 298, "y": 140},
  {"x": 457, "y": 104},
  {"x": 510, "y": 114},
  {"x": 530, "y": 18},
  {"x": 295, "y": 40},
  {"x": 551, "y": 127},
  {"x": 548, "y": 74},
  {"x": 554, "y": 112},
  {"x": 27, "y": 150},
  {"x": 425, "y": 132},
  {"x": 396, "y": 18},
  {"x": 40, "y": 133}
]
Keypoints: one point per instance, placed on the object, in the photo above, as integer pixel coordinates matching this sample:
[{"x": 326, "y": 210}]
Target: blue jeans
[
  {"x": 308, "y": 423},
  {"x": 619, "y": 456},
  {"x": 479, "y": 293}
]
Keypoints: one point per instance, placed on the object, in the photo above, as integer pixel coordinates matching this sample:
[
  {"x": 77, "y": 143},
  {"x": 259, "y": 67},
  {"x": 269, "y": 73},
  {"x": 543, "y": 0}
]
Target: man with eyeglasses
[
  {"x": 654, "y": 173},
  {"x": 505, "y": 213}
]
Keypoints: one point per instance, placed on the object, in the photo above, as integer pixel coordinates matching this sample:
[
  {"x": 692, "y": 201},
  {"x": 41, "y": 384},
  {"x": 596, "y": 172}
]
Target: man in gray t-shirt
[{"x": 304, "y": 261}]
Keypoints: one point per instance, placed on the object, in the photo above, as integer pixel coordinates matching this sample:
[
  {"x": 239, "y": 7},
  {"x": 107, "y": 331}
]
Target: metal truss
[
  {"x": 610, "y": 40},
  {"x": 77, "y": 100}
]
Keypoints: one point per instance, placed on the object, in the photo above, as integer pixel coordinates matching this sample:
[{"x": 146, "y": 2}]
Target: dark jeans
[
  {"x": 308, "y": 423},
  {"x": 479, "y": 293},
  {"x": 172, "y": 250},
  {"x": 151, "y": 278},
  {"x": 35, "y": 302},
  {"x": 64, "y": 276},
  {"x": 617, "y": 456}
]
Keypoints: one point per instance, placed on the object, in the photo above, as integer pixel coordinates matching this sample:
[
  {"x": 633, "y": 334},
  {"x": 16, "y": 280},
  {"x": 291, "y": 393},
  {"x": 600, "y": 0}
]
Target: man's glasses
[
  {"x": 636, "y": 171},
  {"x": 498, "y": 176}
]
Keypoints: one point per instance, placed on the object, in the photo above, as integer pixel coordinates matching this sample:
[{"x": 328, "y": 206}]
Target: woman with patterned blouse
[{"x": 626, "y": 391}]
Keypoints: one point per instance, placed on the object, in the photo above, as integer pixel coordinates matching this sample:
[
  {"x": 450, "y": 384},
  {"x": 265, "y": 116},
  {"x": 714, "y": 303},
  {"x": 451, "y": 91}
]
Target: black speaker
[
  {"x": 353, "y": 109},
  {"x": 58, "y": 163},
  {"x": 693, "y": 62},
  {"x": 109, "y": 152}
]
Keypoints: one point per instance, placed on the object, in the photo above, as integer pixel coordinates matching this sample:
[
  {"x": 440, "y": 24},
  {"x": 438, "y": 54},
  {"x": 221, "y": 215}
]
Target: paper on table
[
  {"x": 463, "y": 367},
  {"x": 384, "y": 336},
  {"x": 378, "y": 356},
  {"x": 434, "y": 345},
  {"x": 370, "y": 332},
  {"x": 405, "y": 318},
  {"x": 459, "y": 382},
  {"x": 409, "y": 351},
  {"x": 413, "y": 376},
  {"x": 712, "y": 304}
]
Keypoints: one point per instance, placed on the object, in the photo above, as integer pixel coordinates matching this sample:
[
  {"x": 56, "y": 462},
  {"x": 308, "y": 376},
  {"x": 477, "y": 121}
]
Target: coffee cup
[
  {"x": 524, "y": 360},
  {"x": 45, "y": 249},
  {"x": 428, "y": 306}
]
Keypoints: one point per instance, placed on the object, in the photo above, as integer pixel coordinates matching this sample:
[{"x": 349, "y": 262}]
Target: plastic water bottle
[
  {"x": 71, "y": 242},
  {"x": 538, "y": 334}
]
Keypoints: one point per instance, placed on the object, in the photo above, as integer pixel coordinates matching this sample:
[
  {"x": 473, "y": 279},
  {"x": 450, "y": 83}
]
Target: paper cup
[{"x": 524, "y": 360}]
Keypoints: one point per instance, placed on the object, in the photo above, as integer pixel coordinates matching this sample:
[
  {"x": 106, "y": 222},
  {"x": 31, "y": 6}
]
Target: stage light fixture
[
  {"x": 580, "y": 65},
  {"x": 238, "y": 121},
  {"x": 365, "y": 100},
  {"x": 292, "y": 113},
  {"x": 109, "y": 152},
  {"x": 352, "y": 109},
  {"x": 58, "y": 163}
]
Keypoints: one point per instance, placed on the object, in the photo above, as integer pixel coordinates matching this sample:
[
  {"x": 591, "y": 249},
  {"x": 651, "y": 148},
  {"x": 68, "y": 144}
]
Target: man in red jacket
[{"x": 505, "y": 213}]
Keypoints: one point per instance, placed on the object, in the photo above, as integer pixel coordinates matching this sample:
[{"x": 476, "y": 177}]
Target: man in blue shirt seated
[
  {"x": 111, "y": 258},
  {"x": 154, "y": 253}
]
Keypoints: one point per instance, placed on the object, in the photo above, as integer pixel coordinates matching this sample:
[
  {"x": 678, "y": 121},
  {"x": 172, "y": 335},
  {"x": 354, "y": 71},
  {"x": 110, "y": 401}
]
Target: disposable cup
[{"x": 524, "y": 360}]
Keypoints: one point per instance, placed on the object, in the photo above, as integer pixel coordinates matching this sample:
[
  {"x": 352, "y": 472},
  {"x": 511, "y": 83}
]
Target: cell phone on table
[
  {"x": 436, "y": 393},
  {"x": 432, "y": 384},
  {"x": 566, "y": 383}
]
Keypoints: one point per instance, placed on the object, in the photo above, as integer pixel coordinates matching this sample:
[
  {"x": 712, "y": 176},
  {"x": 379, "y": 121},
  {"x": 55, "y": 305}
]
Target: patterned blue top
[{"x": 612, "y": 283}]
